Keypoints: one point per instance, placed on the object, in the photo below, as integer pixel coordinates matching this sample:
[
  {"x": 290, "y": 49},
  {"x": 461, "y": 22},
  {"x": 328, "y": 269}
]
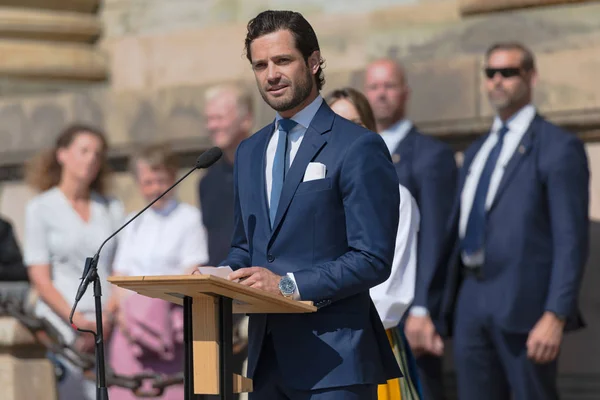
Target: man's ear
[
  {"x": 534, "y": 78},
  {"x": 314, "y": 62}
]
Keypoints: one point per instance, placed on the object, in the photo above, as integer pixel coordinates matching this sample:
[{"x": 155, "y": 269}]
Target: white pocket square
[{"x": 314, "y": 171}]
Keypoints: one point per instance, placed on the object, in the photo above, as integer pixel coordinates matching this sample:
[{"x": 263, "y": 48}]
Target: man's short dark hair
[
  {"x": 527, "y": 57},
  {"x": 305, "y": 37}
]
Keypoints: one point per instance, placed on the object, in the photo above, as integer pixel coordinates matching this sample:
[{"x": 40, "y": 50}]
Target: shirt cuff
[
  {"x": 419, "y": 311},
  {"x": 296, "y": 295}
]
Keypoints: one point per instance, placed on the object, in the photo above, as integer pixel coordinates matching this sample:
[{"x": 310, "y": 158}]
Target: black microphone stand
[{"x": 90, "y": 274}]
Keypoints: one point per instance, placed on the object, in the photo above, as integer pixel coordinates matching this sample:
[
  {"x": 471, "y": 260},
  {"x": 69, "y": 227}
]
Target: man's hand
[
  {"x": 545, "y": 338},
  {"x": 192, "y": 270},
  {"x": 422, "y": 336},
  {"x": 257, "y": 277}
]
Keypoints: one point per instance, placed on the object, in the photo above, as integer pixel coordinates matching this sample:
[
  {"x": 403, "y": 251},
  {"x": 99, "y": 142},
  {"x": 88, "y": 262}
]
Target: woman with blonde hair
[
  {"x": 65, "y": 223},
  {"x": 393, "y": 297}
]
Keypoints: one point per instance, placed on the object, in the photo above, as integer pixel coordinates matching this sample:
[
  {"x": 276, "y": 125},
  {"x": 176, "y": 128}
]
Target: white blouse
[
  {"x": 163, "y": 242},
  {"x": 55, "y": 234},
  {"x": 393, "y": 297}
]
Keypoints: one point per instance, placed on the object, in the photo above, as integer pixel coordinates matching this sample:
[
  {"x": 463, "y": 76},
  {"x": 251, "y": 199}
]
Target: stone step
[
  {"x": 44, "y": 25},
  {"x": 87, "y": 6}
]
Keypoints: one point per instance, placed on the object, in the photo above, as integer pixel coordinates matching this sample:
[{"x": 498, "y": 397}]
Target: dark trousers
[
  {"x": 490, "y": 363},
  {"x": 431, "y": 377},
  {"x": 269, "y": 385}
]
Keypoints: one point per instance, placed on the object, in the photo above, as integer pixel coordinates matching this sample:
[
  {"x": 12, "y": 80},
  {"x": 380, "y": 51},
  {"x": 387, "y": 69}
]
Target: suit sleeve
[
  {"x": 11, "y": 260},
  {"x": 371, "y": 200},
  {"x": 436, "y": 183},
  {"x": 568, "y": 201},
  {"x": 239, "y": 255}
]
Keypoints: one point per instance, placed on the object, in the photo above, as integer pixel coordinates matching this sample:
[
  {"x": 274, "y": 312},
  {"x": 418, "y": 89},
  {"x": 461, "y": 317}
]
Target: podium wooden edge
[{"x": 123, "y": 281}]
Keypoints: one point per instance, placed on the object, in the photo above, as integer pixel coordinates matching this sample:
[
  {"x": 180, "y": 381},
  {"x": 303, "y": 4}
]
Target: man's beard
[
  {"x": 508, "y": 101},
  {"x": 301, "y": 93}
]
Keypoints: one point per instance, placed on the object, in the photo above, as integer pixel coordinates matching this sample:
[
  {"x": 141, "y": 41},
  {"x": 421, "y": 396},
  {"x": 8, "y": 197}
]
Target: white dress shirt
[
  {"x": 393, "y": 297},
  {"x": 303, "y": 118},
  {"x": 517, "y": 126},
  {"x": 393, "y": 135},
  {"x": 163, "y": 242}
]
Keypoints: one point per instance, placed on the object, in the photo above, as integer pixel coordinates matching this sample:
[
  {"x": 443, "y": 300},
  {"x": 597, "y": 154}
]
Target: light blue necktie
[
  {"x": 475, "y": 233},
  {"x": 279, "y": 163}
]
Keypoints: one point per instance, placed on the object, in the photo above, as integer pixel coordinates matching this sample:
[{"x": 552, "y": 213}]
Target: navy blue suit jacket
[
  {"x": 426, "y": 167},
  {"x": 337, "y": 236},
  {"x": 537, "y": 232}
]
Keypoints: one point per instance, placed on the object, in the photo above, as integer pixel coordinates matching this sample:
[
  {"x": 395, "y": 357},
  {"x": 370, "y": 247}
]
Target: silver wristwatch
[{"x": 287, "y": 286}]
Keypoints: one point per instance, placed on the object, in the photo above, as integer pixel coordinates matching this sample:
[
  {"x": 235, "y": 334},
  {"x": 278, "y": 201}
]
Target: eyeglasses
[{"x": 504, "y": 72}]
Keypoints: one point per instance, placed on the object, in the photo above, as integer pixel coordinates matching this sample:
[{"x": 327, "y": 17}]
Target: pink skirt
[{"x": 123, "y": 361}]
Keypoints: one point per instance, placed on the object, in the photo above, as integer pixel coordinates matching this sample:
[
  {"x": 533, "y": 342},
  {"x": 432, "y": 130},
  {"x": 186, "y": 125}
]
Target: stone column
[{"x": 51, "y": 39}]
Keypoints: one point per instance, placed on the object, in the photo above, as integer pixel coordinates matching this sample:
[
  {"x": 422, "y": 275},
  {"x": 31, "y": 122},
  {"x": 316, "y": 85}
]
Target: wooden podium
[{"x": 208, "y": 304}]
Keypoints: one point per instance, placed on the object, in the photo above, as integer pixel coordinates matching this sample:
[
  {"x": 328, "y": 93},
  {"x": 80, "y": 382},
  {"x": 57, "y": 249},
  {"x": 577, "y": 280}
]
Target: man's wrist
[
  {"x": 287, "y": 286},
  {"x": 561, "y": 318},
  {"x": 419, "y": 311}
]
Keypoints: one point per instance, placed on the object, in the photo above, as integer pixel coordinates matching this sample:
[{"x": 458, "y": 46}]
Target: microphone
[
  {"x": 208, "y": 158},
  {"x": 90, "y": 274}
]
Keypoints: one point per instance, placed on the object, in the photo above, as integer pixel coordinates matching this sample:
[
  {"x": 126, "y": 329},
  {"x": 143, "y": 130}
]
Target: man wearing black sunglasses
[{"x": 519, "y": 242}]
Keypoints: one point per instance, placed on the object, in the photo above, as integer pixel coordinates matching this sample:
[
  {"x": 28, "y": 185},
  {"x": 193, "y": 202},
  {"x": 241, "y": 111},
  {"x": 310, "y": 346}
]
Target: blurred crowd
[{"x": 490, "y": 253}]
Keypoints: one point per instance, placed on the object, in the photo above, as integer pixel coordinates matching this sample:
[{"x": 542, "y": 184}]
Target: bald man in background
[
  {"x": 229, "y": 119},
  {"x": 426, "y": 167}
]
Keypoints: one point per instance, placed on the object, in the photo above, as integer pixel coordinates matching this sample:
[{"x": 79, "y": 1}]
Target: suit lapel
[
  {"x": 402, "y": 159},
  {"x": 462, "y": 177},
  {"x": 312, "y": 142},
  {"x": 404, "y": 149},
  {"x": 470, "y": 155},
  {"x": 522, "y": 150},
  {"x": 258, "y": 169}
]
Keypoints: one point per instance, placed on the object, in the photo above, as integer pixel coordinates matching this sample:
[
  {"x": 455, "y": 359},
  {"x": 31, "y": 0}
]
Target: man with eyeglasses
[{"x": 519, "y": 243}]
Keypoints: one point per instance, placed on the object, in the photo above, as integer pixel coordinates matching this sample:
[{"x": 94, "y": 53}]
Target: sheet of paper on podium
[{"x": 221, "y": 272}]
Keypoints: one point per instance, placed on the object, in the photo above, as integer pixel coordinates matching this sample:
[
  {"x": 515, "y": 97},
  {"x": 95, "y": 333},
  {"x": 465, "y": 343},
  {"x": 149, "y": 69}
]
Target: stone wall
[{"x": 163, "y": 55}]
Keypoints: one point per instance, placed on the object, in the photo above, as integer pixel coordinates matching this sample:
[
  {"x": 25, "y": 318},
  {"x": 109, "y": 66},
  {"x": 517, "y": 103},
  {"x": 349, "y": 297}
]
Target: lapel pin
[
  {"x": 522, "y": 149},
  {"x": 396, "y": 158}
]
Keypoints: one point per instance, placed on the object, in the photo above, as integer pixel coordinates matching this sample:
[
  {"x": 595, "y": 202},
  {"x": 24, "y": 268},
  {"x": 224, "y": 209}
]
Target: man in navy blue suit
[
  {"x": 519, "y": 243},
  {"x": 316, "y": 208},
  {"x": 426, "y": 167}
]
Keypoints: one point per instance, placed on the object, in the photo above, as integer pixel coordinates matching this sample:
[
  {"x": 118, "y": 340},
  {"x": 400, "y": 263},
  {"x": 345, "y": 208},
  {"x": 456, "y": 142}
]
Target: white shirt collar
[
  {"x": 519, "y": 122},
  {"x": 167, "y": 209},
  {"x": 399, "y": 129},
  {"x": 394, "y": 135},
  {"x": 305, "y": 116}
]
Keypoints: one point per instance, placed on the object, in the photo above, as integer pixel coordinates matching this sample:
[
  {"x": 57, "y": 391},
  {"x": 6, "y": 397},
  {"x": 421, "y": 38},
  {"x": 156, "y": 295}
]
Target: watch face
[{"x": 287, "y": 286}]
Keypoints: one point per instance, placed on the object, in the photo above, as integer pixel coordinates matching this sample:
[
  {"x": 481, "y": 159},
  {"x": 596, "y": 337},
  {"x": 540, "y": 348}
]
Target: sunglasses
[{"x": 504, "y": 72}]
